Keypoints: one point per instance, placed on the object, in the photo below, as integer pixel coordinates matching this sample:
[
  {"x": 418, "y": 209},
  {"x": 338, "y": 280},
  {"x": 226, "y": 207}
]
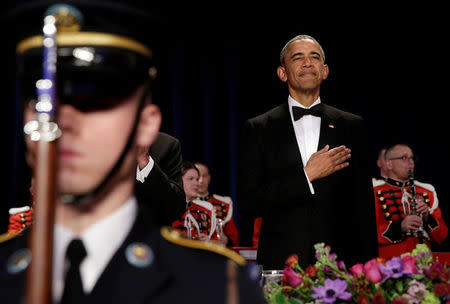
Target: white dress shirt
[
  {"x": 307, "y": 133},
  {"x": 141, "y": 175},
  {"x": 101, "y": 241}
]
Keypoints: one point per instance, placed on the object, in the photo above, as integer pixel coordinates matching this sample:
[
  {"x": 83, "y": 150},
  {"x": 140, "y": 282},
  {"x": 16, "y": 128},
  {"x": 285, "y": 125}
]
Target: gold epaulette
[
  {"x": 8, "y": 236},
  {"x": 175, "y": 237}
]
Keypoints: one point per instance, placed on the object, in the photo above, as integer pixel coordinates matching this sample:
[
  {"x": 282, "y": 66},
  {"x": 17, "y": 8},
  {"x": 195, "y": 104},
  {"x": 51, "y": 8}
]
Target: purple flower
[
  {"x": 394, "y": 269},
  {"x": 332, "y": 290},
  {"x": 341, "y": 265}
]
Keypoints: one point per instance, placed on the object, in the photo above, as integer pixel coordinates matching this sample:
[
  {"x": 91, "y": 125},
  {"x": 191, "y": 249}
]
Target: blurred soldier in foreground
[{"x": 104, "y": 249}]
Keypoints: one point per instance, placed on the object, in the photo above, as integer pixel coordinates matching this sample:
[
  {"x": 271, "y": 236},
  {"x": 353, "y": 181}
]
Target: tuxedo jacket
[
  {"x": 162, "y": 193},
  {"x": 179, "y": 271},
  {"x": 272, "y": 185}
]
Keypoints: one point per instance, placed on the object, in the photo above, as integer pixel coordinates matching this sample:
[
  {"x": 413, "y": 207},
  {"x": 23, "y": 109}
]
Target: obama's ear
[{"x": 281, "y": 72}]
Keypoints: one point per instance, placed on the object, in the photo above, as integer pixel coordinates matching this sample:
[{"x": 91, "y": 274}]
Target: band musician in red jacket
[{"x": 407, "y": 210}]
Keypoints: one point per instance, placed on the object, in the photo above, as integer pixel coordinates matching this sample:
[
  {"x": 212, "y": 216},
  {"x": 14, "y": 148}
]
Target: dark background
[{"x": 387, "y": 64}]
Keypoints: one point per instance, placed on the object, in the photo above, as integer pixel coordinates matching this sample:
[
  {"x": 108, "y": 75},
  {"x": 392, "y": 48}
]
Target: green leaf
[
  {"x": 295, "y": 301},
  {"x": 431, "y": 298},
  {"x": 279, "y": 298},
  {"x": 399, "y": 286},
  {"x": 418, "y": 277}
]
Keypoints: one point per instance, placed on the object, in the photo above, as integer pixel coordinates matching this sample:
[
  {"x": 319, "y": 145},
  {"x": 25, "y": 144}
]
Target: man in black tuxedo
[
  {"x": 159, "y": 184},
  {"x": 303, "y": 169}
]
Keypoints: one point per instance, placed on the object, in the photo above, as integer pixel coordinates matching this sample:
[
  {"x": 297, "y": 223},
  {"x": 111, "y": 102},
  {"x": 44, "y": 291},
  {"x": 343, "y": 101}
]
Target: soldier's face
[{"x": 90, "y": 144}]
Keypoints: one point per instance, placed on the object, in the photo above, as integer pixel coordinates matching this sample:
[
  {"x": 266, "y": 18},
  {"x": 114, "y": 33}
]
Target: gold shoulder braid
[
  {"x": 4, "y": 237},
  {"x": 175, "y": 237}
]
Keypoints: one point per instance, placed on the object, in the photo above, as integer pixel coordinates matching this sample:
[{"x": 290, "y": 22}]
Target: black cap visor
[{"x": 87, "y": 77}]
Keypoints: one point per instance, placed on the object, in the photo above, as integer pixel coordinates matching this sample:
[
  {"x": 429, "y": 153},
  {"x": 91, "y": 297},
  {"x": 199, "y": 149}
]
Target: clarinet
[{"x": 412, "y": 186}]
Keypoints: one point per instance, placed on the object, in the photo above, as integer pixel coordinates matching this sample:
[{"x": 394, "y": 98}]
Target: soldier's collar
[
  {"x": 396, "y": 183},
  {"x": 205, "y": 198}
]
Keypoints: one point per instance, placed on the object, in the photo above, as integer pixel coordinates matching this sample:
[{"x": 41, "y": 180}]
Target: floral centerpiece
[{"x": 411, "y": 278}]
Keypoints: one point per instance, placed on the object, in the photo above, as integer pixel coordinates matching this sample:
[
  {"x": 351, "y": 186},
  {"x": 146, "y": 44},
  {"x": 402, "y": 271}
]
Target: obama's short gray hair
[{"x": 299, "y": 37}]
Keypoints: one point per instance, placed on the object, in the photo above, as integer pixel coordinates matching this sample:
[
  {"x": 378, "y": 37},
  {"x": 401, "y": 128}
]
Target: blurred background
[{"x": 387, "y": 64}]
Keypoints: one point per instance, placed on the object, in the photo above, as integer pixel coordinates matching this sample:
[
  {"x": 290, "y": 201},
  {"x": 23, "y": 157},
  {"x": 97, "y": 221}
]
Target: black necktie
[
  {"x": 73, "y": 287},
  {"x": 299, "y": 112}
]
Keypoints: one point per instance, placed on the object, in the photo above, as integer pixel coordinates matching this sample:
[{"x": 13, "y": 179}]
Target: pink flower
[
  {"x": 357, "y": 270},
  {"x": 292, "y": 277},
  {"x": 372, "y": 271},
  {"x": 409, "y": 264}
]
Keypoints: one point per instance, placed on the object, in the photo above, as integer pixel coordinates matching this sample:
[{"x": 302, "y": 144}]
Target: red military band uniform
[
  {"x": 393, "y": 204},
  {"x": 256, "y": 230},
  {"x": 20, "y": 218},
  {"x": 202, "y": 216},
  {"x": 223, "y": 205},
  {"x": 198, "y": 218}
]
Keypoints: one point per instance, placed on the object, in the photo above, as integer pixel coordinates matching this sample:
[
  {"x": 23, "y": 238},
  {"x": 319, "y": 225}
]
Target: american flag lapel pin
[{"x": 331, "y": 126}]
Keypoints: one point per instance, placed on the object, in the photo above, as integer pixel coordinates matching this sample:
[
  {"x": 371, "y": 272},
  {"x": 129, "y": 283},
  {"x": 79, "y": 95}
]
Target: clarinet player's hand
[
  {"x": 411, "y": 223},
  {"x": 422, "y": 208}
]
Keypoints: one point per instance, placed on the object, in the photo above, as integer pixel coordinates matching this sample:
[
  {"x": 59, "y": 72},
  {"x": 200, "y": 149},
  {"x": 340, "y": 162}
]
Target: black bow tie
[{"x": 299, "y": 112}]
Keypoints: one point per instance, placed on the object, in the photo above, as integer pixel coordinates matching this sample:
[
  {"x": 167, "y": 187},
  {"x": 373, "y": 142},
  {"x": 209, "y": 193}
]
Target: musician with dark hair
[
  {"x": 200, "y": 220},
  {"x": 223, "y": 205},
  {"x": 94, "y": 110},
  {"x": 405, "y": 219}
]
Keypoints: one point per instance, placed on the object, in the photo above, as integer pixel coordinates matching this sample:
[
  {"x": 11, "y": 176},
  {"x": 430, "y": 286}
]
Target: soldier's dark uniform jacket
[
  {"x": 151, "y": 266},
  {"x": 393, "y": 204}
]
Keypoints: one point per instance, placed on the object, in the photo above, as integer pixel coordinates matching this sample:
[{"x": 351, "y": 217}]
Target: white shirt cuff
[
  {"x": 141, "y": 175},
  {"x": 311, "y": 188}
]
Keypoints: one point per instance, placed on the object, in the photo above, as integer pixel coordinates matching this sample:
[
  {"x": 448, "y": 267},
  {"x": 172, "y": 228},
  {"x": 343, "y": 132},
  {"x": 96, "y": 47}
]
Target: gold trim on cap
[{"x": 86, "y": 38}]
